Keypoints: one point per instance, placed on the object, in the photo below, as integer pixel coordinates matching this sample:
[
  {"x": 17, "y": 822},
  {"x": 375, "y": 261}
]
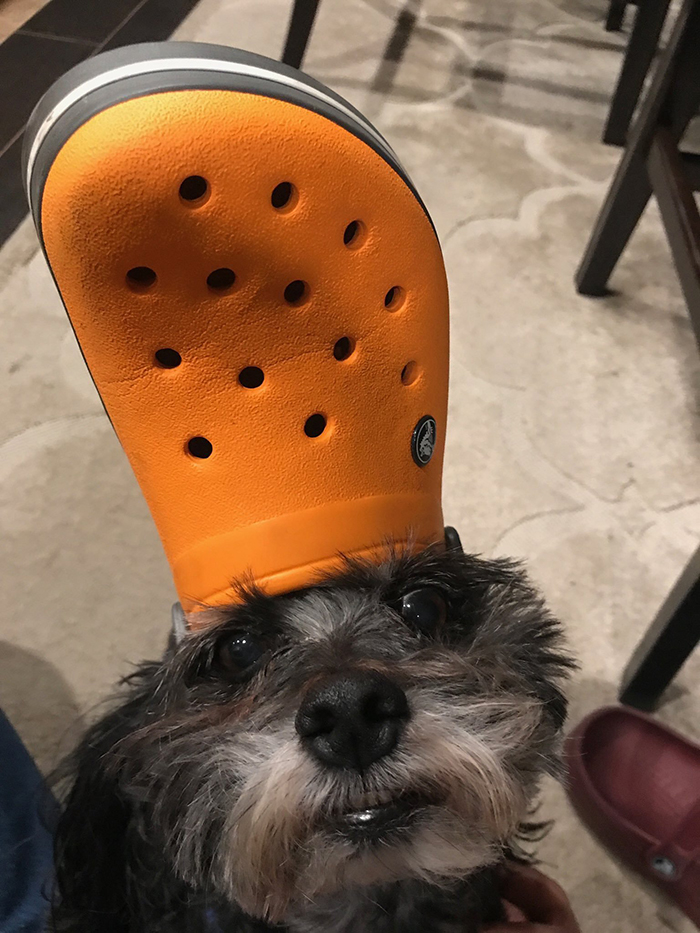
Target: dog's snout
[{"x": 352, "y": 720}]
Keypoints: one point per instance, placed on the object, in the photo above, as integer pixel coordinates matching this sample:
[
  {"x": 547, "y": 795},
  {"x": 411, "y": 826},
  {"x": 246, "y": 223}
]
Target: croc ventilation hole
[
  {"x": 140, "y": 278},
  {"x": 251, "y": 377},
  {"x": 167, "y": 358},
  {"x": 410, "y": 373},
  {"x": 296, "y": 292},
  {"x": 354, "y": 234},
  {"x": 194, "y": 189},
  {"x": 284, "y": 196},
  {"x": 199, "y": 447},
  {"x": 315, "y": 425},
  {"x": 221, "y": 280},
  {"x": 343, "y": 349},
  {"x": 394, "y": 298}
]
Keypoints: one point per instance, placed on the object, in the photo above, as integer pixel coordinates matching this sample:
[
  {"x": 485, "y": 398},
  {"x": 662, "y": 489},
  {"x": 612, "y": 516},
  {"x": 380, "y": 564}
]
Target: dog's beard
[
  {"x": 222, "y": 789},
  {"x": 278, "y": 842}
]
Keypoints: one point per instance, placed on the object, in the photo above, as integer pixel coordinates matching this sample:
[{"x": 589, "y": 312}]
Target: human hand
[{"x": 534, "y": 903}]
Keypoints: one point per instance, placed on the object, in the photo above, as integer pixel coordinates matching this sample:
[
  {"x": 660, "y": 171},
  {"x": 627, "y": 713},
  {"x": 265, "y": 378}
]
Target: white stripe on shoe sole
[{"x": 191, "y": 64}]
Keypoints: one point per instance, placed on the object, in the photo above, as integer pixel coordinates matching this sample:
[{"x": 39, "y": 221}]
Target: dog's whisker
[{"x": 380, "y": 757}]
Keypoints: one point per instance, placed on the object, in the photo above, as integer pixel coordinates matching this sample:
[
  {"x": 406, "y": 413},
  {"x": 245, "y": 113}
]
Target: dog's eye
[
  {"x": 237, "y": 653},
  {"x": 424, "y": 610}
]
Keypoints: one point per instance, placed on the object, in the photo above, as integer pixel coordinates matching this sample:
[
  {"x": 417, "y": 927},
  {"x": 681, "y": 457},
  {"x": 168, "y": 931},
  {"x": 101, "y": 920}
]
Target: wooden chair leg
[
  {"x": 673, "y": 97},
  {"x": 679, "y": 213},
  {"x": 616, "y": 13},
  {"x": 673, "y": 635},
  {"x": 300, "y": 26},
  {"x": 624, "y": 205},
  {"x": 639, "y": 55}
]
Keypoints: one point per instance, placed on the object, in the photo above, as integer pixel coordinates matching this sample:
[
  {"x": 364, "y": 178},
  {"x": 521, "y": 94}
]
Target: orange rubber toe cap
[{"x": 261, "y": 300}]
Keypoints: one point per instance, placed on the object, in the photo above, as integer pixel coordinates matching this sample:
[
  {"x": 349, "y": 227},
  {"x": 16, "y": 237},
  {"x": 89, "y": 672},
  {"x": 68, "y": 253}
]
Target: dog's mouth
[{"x": 381, "y": 818}]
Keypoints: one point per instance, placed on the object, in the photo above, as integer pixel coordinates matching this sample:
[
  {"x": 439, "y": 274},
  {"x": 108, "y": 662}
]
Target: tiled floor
[
  {"x": 573, "y": 439},
  {"x": 14, "y": 13},
  {"x": 45, "y": 45}
]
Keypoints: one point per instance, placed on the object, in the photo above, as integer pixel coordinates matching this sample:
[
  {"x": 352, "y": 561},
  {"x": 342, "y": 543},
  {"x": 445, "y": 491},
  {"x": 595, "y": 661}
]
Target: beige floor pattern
[{"x": 574, "y": 439}]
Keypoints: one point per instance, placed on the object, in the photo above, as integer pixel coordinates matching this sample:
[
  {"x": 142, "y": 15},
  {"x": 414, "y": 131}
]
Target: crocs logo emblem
[
  {"x": 664, "y": 866},
  {"x": 423, "y": 440}
]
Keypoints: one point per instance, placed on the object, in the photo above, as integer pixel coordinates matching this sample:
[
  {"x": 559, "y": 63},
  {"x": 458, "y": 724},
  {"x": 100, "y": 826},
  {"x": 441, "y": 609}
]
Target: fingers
[
  {"x": 540, "y": 898},
  {"x": 523, "y": 927},
  {"x": 513, "y": 913}
]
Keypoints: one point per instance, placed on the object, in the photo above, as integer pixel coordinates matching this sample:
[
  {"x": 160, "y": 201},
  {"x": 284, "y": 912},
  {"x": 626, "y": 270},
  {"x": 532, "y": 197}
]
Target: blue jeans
[{"x": 26, "y": 809}]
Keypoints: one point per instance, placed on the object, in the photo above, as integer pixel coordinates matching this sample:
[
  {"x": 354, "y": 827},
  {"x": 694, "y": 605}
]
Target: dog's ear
[{"x": 91, "y": 847}]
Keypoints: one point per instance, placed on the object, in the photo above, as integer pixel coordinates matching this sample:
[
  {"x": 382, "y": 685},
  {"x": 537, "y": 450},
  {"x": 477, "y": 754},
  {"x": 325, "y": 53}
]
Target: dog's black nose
[{"x": 352, "y": 720}]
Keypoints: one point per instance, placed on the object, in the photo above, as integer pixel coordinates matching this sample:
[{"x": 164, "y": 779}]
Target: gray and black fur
[{"x": 355, "y": 758}]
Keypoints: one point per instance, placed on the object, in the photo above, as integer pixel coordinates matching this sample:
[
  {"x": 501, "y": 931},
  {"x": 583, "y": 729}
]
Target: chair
[
  {"x": 669, "y": 640},
  {"x": 616, "y": 14},
  {"x": 641, "y": 49},
  {"x": 652, "y": 163},
  {"x": 300, "y": 26}
]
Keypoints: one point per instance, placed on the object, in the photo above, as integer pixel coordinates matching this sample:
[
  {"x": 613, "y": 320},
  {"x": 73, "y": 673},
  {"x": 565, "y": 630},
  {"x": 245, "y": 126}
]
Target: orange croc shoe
[{"x": 260, "y": 297}]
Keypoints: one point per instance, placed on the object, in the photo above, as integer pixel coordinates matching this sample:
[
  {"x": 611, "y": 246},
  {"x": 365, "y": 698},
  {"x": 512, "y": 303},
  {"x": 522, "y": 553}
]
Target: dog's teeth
[{"x": 363, "y": 816}]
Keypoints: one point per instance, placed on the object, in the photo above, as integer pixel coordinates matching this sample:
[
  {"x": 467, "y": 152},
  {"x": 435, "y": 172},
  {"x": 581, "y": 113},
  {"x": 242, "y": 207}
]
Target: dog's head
[{"x": 390, "y": 723}]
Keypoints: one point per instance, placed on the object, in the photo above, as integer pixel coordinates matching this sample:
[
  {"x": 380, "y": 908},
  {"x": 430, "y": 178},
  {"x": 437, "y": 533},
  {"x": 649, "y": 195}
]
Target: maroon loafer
[{"x": 636, "y": 785}]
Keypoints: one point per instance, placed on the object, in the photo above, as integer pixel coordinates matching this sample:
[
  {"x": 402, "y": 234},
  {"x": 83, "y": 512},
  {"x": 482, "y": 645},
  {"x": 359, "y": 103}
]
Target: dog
[{"x": 358, "y": 757}]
